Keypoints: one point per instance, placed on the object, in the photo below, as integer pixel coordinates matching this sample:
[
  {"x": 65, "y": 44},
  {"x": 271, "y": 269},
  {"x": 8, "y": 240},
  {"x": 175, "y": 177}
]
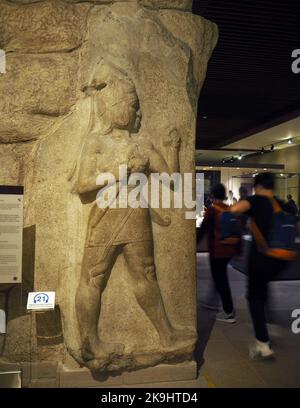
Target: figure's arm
[
  {"x": 241, "y": 207},
  {"x": 88, "y": 172},
  {"x": 170, "y": 163}
]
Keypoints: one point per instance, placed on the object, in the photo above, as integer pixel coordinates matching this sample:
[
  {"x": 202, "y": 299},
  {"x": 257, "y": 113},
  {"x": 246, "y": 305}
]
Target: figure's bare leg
[
  {"x": 94, "y": 276},
  {"x": 140, "y": 260}
]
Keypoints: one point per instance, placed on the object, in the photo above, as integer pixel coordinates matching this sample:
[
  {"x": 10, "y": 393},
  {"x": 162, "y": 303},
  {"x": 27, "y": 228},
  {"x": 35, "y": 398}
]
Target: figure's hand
[
  {"x": 138, "y": 162},
  {"x": 172, "y": 139}
]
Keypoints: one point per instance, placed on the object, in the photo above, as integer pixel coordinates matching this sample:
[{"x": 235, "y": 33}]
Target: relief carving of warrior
[{"x": 113, "y": 140}]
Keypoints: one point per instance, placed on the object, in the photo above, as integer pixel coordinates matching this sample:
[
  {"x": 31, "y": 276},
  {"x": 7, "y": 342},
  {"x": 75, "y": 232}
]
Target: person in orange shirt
[{"x": 220, "y": 254}]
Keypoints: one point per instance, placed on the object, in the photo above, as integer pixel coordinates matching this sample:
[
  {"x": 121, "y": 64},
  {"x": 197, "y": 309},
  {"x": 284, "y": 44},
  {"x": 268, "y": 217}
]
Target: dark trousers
[
  {"x": 219, "y": 273},
  {"x": 261, "y": 270}
]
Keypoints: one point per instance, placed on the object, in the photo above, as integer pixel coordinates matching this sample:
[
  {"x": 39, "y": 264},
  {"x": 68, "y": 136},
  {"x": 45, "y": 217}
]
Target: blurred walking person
[
  {"x": 243, "y": 192},
  {"x": 220, "y": 254},
  {"x": 291, "y": 206},
  {"x": 264, "y": 263},
  {"x": 231, "y": 200}
]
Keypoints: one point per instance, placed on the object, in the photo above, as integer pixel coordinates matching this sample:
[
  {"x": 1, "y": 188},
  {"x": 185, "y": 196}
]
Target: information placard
[{"x": 11, "y": 233}]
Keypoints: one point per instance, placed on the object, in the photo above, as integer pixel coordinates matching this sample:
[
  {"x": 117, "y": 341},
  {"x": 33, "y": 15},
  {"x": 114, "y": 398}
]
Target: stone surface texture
[{"x": 53, "y": 50}]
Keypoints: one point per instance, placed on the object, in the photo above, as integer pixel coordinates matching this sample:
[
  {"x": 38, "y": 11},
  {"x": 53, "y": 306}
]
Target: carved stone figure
[{"x": 110, "y": 143}]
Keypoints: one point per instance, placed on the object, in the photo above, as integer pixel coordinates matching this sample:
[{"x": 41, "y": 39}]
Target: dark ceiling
[{"x": 249, "y": 85}]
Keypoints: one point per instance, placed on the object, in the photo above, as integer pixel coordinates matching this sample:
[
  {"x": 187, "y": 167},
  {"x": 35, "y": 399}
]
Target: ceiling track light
[
  {"x": 289, "y": 141},
  {"x": 263, "y": 150},
  {"x": 233, "y": 159}
]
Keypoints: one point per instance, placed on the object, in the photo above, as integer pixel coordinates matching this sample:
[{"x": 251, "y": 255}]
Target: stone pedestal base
[
  {"x": 161, "y": 373},
  {"x": 52, "y": 375}
]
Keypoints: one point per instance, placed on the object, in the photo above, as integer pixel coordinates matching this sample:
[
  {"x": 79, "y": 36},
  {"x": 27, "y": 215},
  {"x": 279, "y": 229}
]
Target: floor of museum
[{"x": 224, "y": 347}]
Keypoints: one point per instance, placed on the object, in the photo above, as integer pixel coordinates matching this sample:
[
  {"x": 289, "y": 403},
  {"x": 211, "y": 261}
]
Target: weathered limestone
[
  {"x": 155, "y": 4},
  {"x": 107, "y": 83}
]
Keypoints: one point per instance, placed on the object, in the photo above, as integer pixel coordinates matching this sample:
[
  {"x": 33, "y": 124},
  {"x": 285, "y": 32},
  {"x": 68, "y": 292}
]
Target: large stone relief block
[
  {"x": 38, "y": 88},
  {"x": 98, "y": 86},
  {"x": 44, "y": 27},
  {"x": 41, "y": 42}
]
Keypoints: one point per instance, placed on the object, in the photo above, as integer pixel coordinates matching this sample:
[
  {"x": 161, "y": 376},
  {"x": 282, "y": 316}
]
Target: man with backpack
[
  {"x": 220, "y": 252},
  {"x": 273, "y": 245}
]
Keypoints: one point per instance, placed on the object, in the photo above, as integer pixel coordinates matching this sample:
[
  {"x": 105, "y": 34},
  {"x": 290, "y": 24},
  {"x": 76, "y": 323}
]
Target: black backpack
[
  {"x": 281, "y": 242},
  {"x": 230, "y": 227}
]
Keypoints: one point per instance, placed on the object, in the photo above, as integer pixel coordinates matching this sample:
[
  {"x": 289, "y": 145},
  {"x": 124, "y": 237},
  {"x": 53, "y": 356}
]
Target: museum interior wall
[
  {"x": 79, "y": 77},
  {"x": 288, "y": 156}
]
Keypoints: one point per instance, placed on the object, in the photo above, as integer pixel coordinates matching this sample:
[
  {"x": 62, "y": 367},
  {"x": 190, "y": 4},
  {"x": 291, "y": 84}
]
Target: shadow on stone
[{"x": 49, "y": 328}]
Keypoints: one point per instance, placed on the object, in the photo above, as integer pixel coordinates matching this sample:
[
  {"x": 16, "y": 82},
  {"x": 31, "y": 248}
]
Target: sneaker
[
  {"x": 261, "y": 351},
  {"x": 226, "y": 317}
]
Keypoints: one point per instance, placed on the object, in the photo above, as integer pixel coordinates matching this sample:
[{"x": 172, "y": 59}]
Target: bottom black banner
[{"x": 135, "y": 397}]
